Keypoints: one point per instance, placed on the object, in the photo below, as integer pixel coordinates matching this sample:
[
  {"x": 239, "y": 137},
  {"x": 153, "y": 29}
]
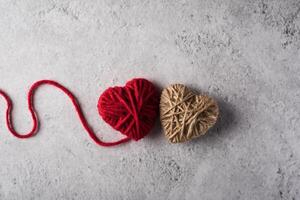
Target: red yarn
[
  {"x": 132, "y": 109},
  {"x": 138, "y": 92}
]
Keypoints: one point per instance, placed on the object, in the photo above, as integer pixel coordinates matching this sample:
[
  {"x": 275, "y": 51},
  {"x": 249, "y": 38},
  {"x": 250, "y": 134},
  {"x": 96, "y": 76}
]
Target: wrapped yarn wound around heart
[
  {"x": 185, "y": 115},
  {"x": 132, "y": 109}
]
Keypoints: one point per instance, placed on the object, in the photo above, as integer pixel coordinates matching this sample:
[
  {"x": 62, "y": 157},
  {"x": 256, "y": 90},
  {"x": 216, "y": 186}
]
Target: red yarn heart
[{"x": 131, "y": 109}]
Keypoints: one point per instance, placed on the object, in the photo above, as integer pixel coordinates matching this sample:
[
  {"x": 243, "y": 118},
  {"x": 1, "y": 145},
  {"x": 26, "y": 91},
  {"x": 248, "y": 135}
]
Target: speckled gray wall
[{"x": 243, "y": 53}]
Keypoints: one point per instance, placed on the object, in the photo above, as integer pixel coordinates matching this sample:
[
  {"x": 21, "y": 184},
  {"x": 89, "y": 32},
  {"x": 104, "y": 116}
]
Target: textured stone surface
[{"x": 243, "y": 53}]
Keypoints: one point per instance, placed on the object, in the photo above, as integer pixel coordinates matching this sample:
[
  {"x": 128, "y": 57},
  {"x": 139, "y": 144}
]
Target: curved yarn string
[{"x": 34, "y": 116}]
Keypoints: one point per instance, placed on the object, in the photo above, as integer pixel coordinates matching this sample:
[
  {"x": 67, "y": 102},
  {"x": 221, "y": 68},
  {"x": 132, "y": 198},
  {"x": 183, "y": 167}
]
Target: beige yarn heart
[{"x": 184, "y": 115}]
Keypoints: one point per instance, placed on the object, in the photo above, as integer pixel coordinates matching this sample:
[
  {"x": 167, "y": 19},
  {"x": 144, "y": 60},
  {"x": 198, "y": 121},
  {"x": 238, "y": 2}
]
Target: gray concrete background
[{"x": 244, "y": 53}]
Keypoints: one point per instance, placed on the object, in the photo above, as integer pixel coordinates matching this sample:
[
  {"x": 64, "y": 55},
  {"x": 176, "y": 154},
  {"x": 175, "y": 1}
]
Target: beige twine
[{"x": 185, "y": 115}]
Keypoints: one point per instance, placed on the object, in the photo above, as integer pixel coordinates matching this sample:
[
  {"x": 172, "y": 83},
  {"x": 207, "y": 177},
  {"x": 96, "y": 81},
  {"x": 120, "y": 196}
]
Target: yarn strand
[{"x": 34, "y": 130}]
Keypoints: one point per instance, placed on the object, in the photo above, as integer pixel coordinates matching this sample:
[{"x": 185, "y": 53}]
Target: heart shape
[
  {"x": 185, "y": 115},
  {"x": 131, "y": 109}
]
